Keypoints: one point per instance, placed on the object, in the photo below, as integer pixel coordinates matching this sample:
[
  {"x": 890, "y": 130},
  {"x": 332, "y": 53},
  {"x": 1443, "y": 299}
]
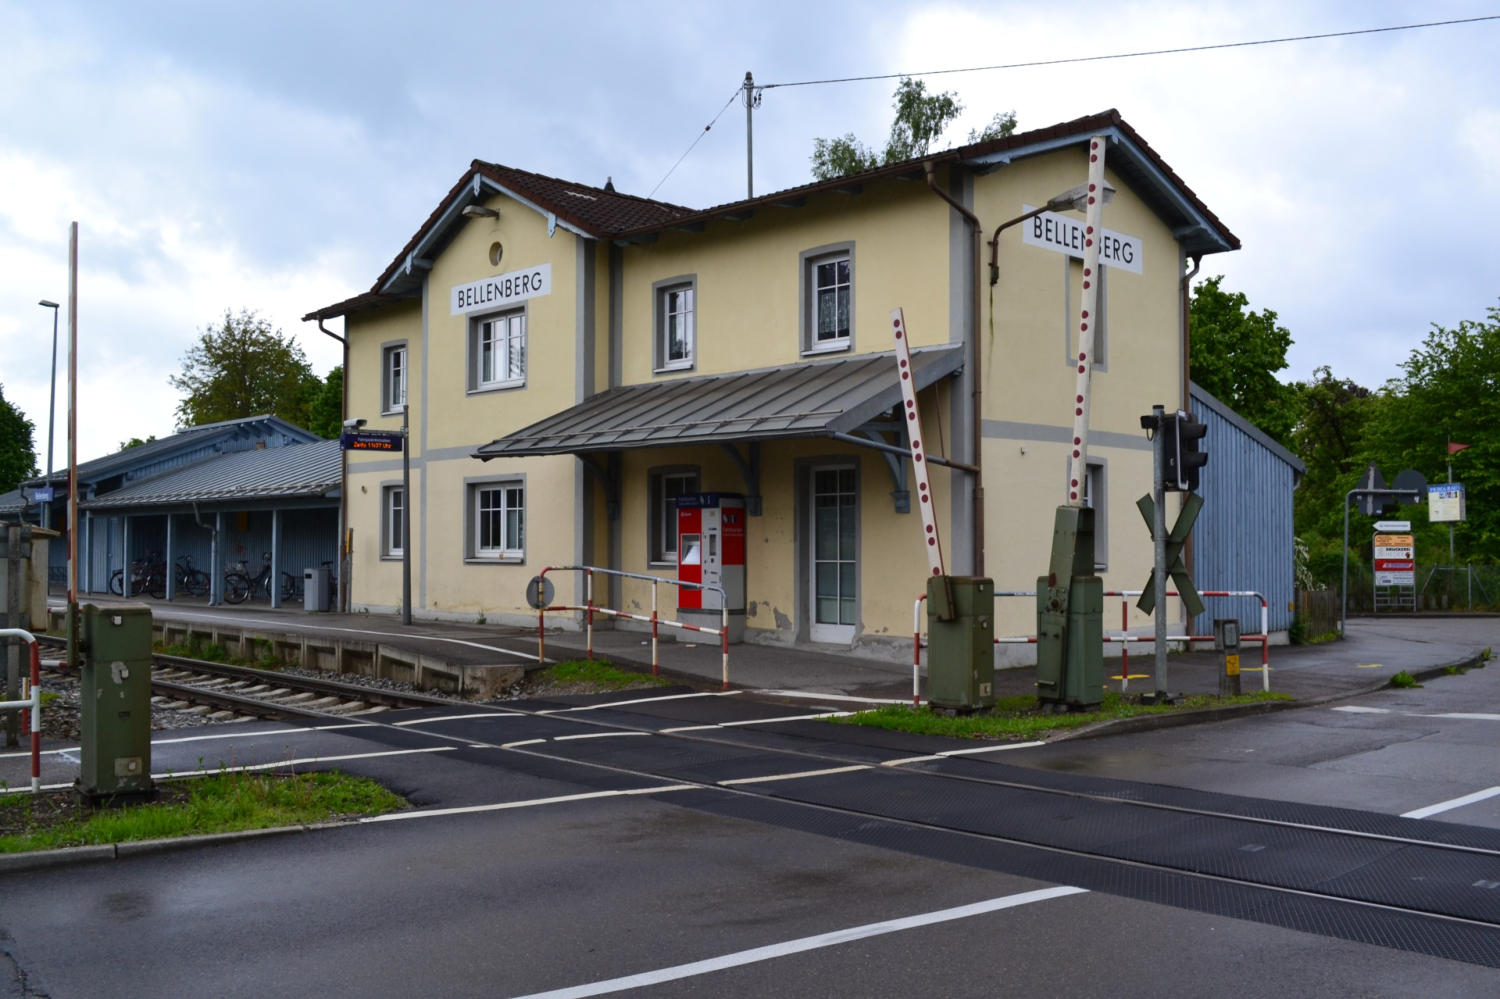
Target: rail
[
  {"x": 1124, "y": 638},
  {"x": 31, "y": 697},
  {"x": 589, "y": 609}
]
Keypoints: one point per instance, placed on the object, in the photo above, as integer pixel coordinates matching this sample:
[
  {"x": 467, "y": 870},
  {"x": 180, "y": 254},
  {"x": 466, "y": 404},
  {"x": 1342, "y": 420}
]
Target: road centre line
[
  {"x": 453, "y": 718},
  {"x": 804, "y": 944},
  {"x": 796, "y": 776},
  {"x": 596, "y": 735},
  {"x": 430, "y": 813},
  {"x": 1355, "y": 709},
  {"x": 1443, "y": 806}
]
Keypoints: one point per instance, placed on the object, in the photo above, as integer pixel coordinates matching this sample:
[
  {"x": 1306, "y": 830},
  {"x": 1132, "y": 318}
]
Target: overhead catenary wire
[
  {"x": 737, "y": 92},
  {"x": 1180, "y": 50},
  {"x": 1131, "y": 55}
]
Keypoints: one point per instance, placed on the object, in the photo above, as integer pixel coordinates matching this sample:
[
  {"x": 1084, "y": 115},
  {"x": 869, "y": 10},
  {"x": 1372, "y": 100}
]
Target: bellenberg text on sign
[{"x": 502, "y": 289}]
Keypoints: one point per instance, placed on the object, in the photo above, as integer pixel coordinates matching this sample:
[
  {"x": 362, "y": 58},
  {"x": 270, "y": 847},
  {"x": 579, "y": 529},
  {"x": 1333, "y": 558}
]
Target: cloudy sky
[{"x": 276, "y": 155}]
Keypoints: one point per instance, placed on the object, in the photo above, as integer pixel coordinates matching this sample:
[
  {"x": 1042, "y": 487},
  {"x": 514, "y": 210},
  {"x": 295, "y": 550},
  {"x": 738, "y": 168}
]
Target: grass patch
[
  {"x": 1018, "y": 718},
  {"x": 227, "y": 802},
  {"x": 597, "y": 674},
  {"x": 1404, "y": 679}
]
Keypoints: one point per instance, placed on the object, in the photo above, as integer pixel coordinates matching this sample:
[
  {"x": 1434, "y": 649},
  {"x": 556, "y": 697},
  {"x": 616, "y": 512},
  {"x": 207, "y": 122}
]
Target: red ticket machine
[{"x": 711, "y": 551}]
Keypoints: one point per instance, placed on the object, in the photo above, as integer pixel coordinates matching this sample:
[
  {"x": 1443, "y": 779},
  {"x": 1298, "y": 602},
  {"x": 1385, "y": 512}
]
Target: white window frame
[
  {"x": 511, "y": 495},
  {"x": 394, "y": 368},
  {"x": 1072, "y": 307},
  {"x": 392, "y": 509},
  {"x": 662, "y": 509},
  {"x": 811, "y": 262},
  {"x": 509, "y": 350},
  {"x": 676, "y": 302},
  {"x": 1096, "y": 487}
]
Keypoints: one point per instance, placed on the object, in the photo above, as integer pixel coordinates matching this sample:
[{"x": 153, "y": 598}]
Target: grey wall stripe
[
  {"x": 1010, "y": 430},
  {"x": 420, "y": 469}
]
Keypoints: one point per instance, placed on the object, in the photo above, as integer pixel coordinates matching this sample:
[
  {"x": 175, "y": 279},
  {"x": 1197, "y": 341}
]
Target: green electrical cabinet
[
  {"x": 1070, "y": 617},
  {"x": 115, "y": 713},
  {"x": 960, "y": 642}
]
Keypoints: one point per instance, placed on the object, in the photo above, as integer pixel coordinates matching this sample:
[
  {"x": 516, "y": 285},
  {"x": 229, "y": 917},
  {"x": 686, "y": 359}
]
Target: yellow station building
[{"x": 574, "y": 359}]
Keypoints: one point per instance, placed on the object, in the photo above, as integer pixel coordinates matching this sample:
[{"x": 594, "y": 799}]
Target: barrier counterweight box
[
  {"x": 115, "y": 713},
  {"x": 960, "y": 642}
]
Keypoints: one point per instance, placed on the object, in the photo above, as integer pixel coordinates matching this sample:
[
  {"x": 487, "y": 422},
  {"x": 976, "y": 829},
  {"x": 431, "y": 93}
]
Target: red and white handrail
[{"x": 31, "y": 697}]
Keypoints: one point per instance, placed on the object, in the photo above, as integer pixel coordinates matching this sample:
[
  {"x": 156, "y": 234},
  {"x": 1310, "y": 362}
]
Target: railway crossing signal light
[{"x": 1181, "y": 454}]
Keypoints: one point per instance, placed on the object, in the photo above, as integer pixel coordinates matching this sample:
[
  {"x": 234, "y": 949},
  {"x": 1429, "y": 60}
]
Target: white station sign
[
  {"x": 501, "y": 290},
  {"x": 1062, "y": 234}
]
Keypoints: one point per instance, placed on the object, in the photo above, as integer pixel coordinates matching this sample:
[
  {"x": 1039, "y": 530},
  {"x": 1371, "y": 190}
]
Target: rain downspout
[
  {"x": 344, "y": 588},
  {"x": 972, "y": 363}
]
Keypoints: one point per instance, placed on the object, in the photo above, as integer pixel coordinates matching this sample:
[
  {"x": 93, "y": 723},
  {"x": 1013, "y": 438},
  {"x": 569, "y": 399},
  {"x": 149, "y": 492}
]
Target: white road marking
[
  {"x": 638, "y": 700},
  {"x": 1460, "y": 715},
  {"x": 596, "y": 735},
  {"x": 1443, "y": 806},
  {"x": 803, "y": 945},
  {"x": 795, "y": 776},
  {"x": 1468, "y": 716},
  {"x": 809, "y": 695},
  {"x": 430, "y": 813},
  {"x": 303, "y": 761},
  {"x": 452, "y": 718},
  {"x": 1355, "y": 709},
  {"x": 961, "y": 752},
  {"x": 757, "y": 721}
]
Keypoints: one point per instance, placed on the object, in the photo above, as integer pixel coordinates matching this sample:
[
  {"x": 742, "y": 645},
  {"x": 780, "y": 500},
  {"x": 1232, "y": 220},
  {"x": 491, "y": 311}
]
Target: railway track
[{"x": 245, "y": 692}]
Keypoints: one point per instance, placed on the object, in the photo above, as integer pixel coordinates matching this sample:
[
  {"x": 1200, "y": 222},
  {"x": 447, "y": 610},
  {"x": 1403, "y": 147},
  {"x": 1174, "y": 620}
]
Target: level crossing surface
[{"x": 693, "y": 843}]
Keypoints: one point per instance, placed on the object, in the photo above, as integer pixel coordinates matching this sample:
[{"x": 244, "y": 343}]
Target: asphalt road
[{"x": 562, "y": 854}]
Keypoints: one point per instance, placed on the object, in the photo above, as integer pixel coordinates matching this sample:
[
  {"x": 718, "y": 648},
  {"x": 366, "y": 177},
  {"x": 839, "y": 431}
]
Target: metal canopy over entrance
[{"x": 812, "y": 399}]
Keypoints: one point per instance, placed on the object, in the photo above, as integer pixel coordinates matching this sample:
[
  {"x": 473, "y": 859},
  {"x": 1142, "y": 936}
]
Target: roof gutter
[{"x": 972, "y": 362}]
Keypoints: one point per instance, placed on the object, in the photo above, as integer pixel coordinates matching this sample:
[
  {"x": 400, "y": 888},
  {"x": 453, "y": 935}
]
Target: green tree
[
  {"x": 1449, "y": 391},
  {"x": 1235, "y": 354},
  {"x": 17, "y": 451},
  {"x": 327, "y": 413},
  {"x": 243, "y": 367},
  {"x": 136, "y": 442},
  {"x": 920, "y": 120}
]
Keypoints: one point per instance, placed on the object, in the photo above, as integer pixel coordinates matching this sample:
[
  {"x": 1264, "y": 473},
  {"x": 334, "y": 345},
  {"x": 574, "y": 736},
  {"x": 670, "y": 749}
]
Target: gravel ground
[{"x": 60, "y": 716}]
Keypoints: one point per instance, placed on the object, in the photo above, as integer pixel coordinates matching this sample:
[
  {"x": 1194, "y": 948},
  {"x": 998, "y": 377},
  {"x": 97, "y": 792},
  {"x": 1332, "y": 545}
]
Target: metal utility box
[
  {"x": 960, "y": 642},
  {"x": 1070, "y": 616},
  {"x": 1227, "y": 642},
  {"x": 315, "y": 589},
  {"x": 115, "y": 708},
  {"x": 711, "y": 551}
]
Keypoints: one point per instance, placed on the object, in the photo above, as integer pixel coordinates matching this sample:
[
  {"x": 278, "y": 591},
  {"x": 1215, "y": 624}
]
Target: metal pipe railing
[
  {"x": 31, "y": 697},
  {"x": 589, "y": 609}
]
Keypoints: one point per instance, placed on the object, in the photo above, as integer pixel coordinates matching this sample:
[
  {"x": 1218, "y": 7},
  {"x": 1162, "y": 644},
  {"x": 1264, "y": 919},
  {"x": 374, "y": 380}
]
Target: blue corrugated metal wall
[{"x": 1243, "y": 537}]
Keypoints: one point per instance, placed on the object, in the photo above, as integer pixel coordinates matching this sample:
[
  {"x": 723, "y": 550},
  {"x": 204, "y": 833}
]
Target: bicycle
[
  {"x": 239, "y": 584},
  {"x": 193, "y": 582},
  {"x": 147, "y": 575}
]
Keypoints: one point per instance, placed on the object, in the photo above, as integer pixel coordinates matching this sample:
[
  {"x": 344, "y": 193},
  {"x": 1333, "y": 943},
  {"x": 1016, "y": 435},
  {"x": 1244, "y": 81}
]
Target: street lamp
[
  {"x": 1074, "y": 199},
  {"x": 51, "y": 399}
]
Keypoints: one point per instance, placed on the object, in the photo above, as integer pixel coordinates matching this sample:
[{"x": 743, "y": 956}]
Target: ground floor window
[
  {"x": 666, "y": 486},
  {"x": 392, "y": 521},
  {"x": 834, "y": 556},
  {"x": 497, "y": 514}
]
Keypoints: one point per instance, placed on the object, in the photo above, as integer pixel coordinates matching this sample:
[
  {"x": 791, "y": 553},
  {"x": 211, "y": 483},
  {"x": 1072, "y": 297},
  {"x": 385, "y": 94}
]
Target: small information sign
[
  {"x": 1446, "y": 502},
  {"x": 371, "y": 440}
]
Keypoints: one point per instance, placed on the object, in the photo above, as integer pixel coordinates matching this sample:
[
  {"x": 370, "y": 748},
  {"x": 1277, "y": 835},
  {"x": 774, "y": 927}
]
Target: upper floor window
[
  {"x": 497, "y": 351},
  {"x": 676, "y": 321},
  {"x": 393, "y": 379},
  {"x": 828, "y": 298}
]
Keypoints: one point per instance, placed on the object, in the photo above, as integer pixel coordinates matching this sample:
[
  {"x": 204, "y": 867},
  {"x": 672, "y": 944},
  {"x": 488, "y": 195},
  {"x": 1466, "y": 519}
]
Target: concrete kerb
[
  {"x": 1147, "y": 723},
  {"x": 38, "y": 860}
]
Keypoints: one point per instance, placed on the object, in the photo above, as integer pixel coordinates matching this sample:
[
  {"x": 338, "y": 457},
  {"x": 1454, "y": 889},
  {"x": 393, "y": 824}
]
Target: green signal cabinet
[
  {"x": 115, "y": 713},
  {"x": 960, "y": 642},
  {"x": 1070, "y": 617}
]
